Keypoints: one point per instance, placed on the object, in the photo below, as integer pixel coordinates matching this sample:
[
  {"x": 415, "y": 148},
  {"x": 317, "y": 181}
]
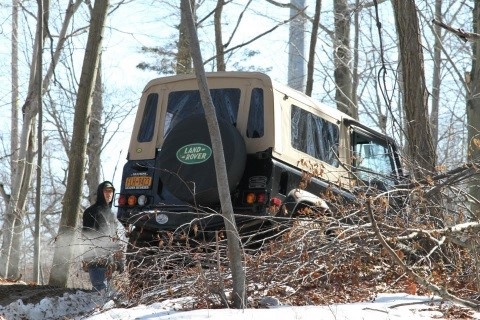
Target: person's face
[{"x": 108, "y": 194}]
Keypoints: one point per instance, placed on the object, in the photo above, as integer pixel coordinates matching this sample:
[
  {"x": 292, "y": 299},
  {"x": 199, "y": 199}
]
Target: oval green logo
[{"x": 194, "y": 153}]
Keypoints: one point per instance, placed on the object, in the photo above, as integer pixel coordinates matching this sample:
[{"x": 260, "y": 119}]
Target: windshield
[{"x": 374, "y": 161}]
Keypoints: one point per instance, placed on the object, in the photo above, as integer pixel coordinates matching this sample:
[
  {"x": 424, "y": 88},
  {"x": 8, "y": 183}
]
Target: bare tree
[
  {"x": 38, "y": 192},
  {"x": 76, "y": 169},
  {"x": 296, "y": 46},
  {"x": 234, "y": 250},
  {"x": 342, "y": 60},
  {"x": 95, "y": 138},
  {"x": 15, "y": 211},
  {"x": 13, "y": 223},
  {"x": 171, "y": 59},
  {"x": 421, "y": 149},
  {"x": 313, "y": 44},
  {"x": 184, "y": 59},
  {"x": 14, "y": 120},
  {"x": 473, "y": 106},
  {"x": 218, "y": 36},
  {"x": 15, "y": 94},
  {"x": 436, "y": 81}
]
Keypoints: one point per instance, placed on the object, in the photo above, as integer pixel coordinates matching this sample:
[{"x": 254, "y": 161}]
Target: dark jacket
[{"x": 99, "y": 218}]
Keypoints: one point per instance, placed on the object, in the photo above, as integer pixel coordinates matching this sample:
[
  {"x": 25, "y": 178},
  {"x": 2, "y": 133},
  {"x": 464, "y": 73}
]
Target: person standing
[{"x": 99, "y": 230}]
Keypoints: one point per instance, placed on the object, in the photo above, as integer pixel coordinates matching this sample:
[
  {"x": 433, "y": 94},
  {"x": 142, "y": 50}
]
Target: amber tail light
[{"x": 255, "y": 197}]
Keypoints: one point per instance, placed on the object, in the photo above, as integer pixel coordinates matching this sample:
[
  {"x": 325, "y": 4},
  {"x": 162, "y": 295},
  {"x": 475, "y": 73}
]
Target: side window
[
  {"x": 255, "y": 125},
  {"x": 147, "y": 126},
  {"x": 182, "y": 104},
  {"x": 314, "y": 136}
]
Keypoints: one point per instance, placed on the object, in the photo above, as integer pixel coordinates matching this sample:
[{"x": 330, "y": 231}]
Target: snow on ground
[{"x": 82, "y": 305}]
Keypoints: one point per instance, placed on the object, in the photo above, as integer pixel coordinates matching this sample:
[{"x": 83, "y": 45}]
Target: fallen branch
[{"x": 437, "y": 290}]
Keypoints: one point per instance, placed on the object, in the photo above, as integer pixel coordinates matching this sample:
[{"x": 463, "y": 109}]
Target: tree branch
[
  {"x": 465, "y": 36},
  {"x": 3, "y": 193},
  {"x": 255, "y": 38}
]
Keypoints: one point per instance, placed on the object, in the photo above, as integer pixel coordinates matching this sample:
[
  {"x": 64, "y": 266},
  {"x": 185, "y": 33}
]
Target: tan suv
[{"x": 272, "y": 136}]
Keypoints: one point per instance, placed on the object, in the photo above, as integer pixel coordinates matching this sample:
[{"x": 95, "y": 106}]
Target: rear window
[
  {"x": 314, "y": 136},
  {"x": 256, "y": 114},
  {"x": 182, "y": 104},
  {"x": 147, "y": 127}
]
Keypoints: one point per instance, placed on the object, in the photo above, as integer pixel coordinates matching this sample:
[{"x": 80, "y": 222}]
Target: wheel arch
[{"x": 297, "y": 199}]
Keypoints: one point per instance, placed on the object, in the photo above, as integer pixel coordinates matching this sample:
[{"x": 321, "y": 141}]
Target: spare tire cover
[{"x": 186, "y": 162}]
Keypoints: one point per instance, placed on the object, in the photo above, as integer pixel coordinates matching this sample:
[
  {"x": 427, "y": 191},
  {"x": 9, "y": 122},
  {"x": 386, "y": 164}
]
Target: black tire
[{"x": 197, "y": 183}]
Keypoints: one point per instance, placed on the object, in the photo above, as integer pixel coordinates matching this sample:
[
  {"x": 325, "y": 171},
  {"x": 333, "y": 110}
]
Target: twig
[
  {"x": 374, "y": 309},
  {"x": 413, "y": 303},
  {"x": 463, "y": 169},
  {"x": 255, "y": 38}
]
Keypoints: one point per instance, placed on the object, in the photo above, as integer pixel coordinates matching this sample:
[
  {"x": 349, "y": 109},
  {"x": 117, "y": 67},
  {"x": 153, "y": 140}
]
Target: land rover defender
[{"x": 272, "y": 136}]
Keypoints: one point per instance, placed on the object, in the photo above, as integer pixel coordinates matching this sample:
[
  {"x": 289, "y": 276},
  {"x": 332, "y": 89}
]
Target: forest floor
[
  {"x": 32, "y": 294},
  {"x": 11, "y": 291}
]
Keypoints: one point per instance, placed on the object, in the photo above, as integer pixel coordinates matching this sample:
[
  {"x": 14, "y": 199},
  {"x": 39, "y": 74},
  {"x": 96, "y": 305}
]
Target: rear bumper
[{"x": 184, "y": 219}]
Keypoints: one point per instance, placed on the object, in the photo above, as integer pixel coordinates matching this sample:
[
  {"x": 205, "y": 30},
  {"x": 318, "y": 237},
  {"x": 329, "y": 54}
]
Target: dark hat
[{"x": 108, "y": 185}]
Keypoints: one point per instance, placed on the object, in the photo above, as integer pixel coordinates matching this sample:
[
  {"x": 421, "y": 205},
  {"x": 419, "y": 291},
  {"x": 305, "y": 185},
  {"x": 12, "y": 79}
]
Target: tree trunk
[
  {"x": 220, "y": 55},
  {"x": 184, "y": 59},
  {"x": 355, "y": 76},
  {"x": 234, "y": 249},
  {"x": 473, "y": 109},
  {"x": 15, "y": 94},
  {"x": 296, "y": 47},
  {"x": 9, "y": 219},
  {"x": 313, "y": 45},
  {"x": 38, "y": 191},
  {"x": 420, "y": 145},
  {"x": 71, "y": 204},
  {"x": 437, "y": 63},
  {"x": 15, "y": 210},
  {"x": 342, "y": 59},
  {"x": 95, "y": 140}
]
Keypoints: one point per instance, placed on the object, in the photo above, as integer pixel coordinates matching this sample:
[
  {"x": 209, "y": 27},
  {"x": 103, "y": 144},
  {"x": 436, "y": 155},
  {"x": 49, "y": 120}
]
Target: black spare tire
[{"x": 186, "y": 163}]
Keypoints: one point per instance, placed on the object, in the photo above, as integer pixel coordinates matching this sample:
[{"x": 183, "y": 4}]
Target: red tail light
[
  {"x": 122, "y": 200},
  {"x": 261, "y": 197}
]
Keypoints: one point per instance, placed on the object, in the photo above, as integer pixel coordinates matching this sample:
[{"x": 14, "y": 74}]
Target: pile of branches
[{"x": 420, "y": 239}]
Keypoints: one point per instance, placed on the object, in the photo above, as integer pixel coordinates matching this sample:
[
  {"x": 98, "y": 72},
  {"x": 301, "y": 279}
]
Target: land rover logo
[{"x": 194, "y": 153}]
